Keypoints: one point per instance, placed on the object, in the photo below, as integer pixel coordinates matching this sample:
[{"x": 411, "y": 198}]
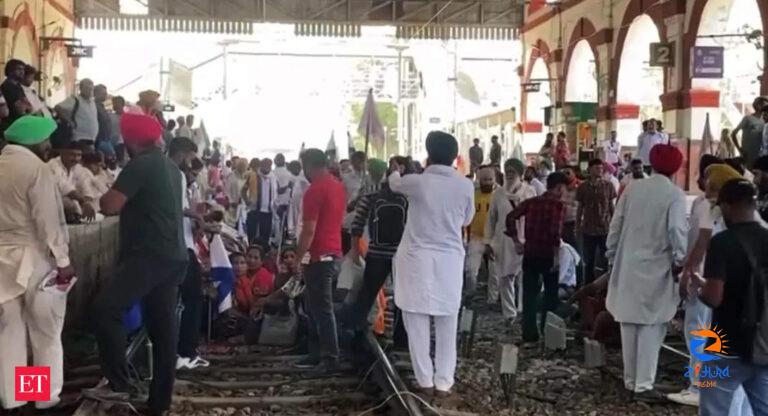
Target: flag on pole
[
  {"x": 370, "y": 125},
  {"x": 706, "y": 138},
  {"x": 350, "y": 144},
  {"x": 330, "y": 149},
  {"x": 222, "y": 274}
]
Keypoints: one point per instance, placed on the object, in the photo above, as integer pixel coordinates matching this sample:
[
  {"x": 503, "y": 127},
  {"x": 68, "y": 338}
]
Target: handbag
[{"x": 279, "y": 329}]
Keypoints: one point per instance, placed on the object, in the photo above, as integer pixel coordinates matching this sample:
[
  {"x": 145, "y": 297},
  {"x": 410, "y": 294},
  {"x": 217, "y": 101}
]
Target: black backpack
[
  {"x": 754, "y": 316},
  {"x": 386, "y": 221}
]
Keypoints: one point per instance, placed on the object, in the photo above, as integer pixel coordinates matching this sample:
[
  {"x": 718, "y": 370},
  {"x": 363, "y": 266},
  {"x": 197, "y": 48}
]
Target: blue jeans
[
  {"x": 697, "y": 315},
  {"x": 716, "y": 401},
  {"x": 320, "y": 279}
]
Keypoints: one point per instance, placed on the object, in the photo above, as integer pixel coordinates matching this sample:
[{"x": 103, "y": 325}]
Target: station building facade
[
  {"x": 23, "y": 23},
  {"x": 588, "y": 66}
]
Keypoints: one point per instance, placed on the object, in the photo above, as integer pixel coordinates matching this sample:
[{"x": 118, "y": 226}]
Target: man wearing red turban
[
  {"x": 665, "y": 159},
  {"x": 140, "y": 131},
  {"x": 152, "y": 263},
  {"x": 646, "y": 248}
]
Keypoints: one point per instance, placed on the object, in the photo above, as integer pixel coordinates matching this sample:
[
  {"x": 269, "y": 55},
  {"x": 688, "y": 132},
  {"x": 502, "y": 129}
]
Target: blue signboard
[{"x": 707, "y": 62}]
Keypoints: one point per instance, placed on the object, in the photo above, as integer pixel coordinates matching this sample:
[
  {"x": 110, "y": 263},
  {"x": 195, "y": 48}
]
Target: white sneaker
[
  {"x": 182, "y": 362},
  {"x": 47, "y": 405},
  {"x": 191, "y": 364},
  {"x": 199, "y": 362},
  {"x": 685, "y": 397}
]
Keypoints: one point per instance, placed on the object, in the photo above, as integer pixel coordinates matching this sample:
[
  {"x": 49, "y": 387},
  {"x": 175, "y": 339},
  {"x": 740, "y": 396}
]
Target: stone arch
[
  {"x": 533, "y": 104},
  {"x": 581, "y": 75},
  {"x": 23, "y": 28},
  {"x": 745, "y": 79},
  {"x": 697, "y": 15},
  {"x": 583, "y": 31},
  {"x": 639, "y": 87},
  {"x": 56, "y": 63},
  {"x": 540, "y": 52},
  {"x": 539, "y": 49},
  {"x": 635, "y": 8}
]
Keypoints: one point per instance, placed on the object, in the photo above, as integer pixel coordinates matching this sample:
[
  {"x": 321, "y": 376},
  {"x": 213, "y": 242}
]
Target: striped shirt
[{"x": 363, "y": 215}]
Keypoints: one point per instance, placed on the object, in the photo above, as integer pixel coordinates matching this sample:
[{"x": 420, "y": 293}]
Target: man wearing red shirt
[
  {"x": 323, "y": 213},
  {"x": 543, "y": 230}
]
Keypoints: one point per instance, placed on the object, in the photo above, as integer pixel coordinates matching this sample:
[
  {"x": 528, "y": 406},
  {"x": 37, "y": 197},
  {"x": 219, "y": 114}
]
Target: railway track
[{"x": 257, "y": 380}]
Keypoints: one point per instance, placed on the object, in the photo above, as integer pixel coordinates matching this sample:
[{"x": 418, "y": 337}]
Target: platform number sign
[{"x": 663, "y": 54}]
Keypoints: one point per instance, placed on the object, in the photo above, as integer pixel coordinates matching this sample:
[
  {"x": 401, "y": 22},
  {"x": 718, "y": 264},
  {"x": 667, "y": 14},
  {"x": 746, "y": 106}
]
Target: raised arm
[
  {"x": 408, "y": 186},
  {"x": 735, "y": 133}
]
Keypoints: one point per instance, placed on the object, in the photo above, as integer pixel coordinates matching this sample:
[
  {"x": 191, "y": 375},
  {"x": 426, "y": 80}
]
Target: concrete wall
[
  {"x": 93, "y": 251},
  {"x": 22, "y": 24}
]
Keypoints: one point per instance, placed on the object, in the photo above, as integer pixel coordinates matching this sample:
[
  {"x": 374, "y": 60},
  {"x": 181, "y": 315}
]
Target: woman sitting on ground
[
  {"x": 252, "y": 289},
  {"x": 288, "y": 284}
]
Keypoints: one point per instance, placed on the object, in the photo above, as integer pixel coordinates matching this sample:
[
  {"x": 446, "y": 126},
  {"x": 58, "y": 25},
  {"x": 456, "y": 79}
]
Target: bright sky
[{"x": 277, "y": 102}]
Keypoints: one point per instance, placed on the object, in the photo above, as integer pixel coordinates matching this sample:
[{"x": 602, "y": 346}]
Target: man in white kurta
[
  {"x": 506, "y": 261},
  {"x": 70, "y": 178},
  {"x": 33, "y": 242},
  {"x": 428, "y": 266},
  {"x": 646, "y": 246}
]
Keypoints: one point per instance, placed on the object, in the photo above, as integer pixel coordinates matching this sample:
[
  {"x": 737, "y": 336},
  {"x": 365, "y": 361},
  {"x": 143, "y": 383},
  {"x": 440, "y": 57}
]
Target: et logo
[{"x": 33, "y": 384}]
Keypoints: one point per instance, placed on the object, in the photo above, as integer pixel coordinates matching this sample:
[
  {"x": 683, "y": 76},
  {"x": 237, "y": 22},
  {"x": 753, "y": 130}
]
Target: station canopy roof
[{"x": 414, "y": 19}]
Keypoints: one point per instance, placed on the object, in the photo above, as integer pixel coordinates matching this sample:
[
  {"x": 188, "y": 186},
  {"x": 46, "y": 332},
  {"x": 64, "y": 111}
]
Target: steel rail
[{"x": 408, "y": 403}]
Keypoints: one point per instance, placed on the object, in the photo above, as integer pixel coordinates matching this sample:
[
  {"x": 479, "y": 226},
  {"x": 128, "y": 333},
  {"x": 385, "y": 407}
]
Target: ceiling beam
[
  {"x": 194, "y": 6},
  {"x": 461, "y": 11},
  {"x": 416, "y": 11},
  {"x": 105, "y": 7},
  {"x": 276, "y": 5},
  {"x": 376, "y": 8},
  {"x": 326, "y": 9},
  {"x": 502, "y": 15}
]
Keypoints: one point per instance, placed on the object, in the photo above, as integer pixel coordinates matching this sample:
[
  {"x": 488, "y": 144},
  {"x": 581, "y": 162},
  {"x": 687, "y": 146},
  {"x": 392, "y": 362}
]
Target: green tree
[{"x": 388, "y": 116}]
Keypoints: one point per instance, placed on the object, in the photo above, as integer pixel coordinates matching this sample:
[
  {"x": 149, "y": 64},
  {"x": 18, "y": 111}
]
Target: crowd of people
[
  {"x": 646, "y": 261},
  {"x": 268, "y": 243}
]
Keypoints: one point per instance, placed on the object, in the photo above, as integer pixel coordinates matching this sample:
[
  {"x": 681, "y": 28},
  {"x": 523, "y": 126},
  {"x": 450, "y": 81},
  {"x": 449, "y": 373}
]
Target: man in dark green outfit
[{"x": 152, "y": 264}]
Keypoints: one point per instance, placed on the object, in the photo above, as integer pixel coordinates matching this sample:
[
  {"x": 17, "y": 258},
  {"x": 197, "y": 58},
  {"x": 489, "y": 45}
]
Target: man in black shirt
[
  {"x": 152, "y": 263},
  {"x": 475, "y": 155},
  {"x": 495, "y": 151},
  {"x": 727, "y": 274},
  {"x": 760, "y": 170},
  {"x": 13, "y": 92}
]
